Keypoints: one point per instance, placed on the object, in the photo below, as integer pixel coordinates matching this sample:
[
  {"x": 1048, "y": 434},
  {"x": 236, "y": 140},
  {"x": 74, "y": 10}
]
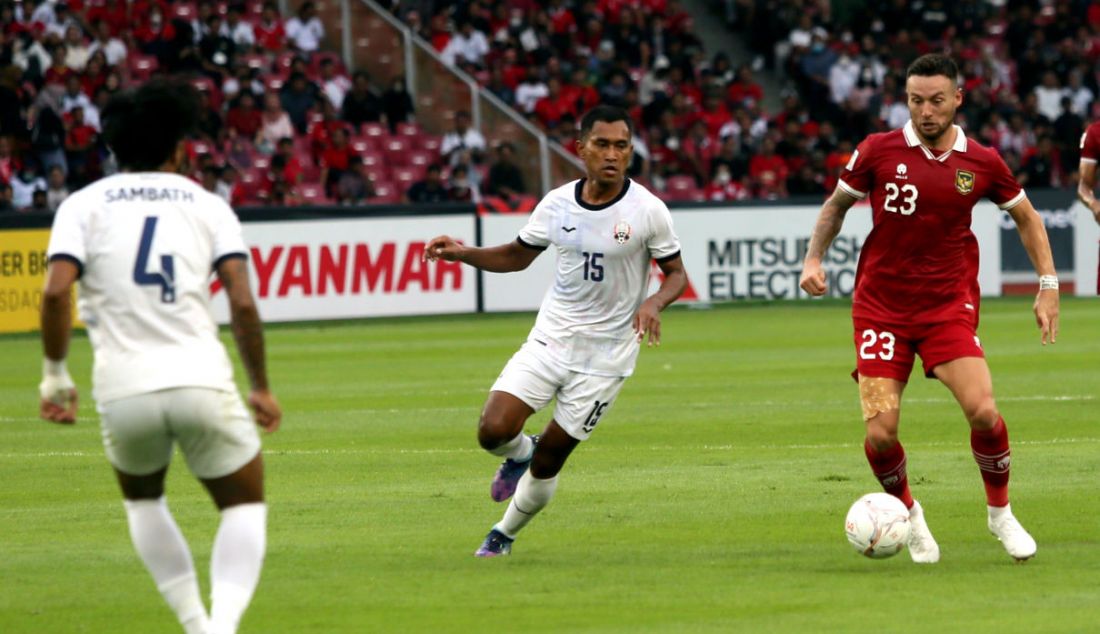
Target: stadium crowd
[{"x": 285, "y": 123}]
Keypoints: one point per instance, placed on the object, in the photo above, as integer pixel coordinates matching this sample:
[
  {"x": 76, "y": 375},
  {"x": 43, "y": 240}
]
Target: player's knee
[
  {"x": 982, "y": 414},
  {"x": 881, "y": 438},
  {"x": 492, "y": 430}
]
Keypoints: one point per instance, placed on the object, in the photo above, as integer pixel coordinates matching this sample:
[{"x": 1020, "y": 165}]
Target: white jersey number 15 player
[{"x": 605, "y": 229}]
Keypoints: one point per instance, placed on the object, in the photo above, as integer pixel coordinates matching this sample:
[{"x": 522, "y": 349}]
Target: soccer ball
[{"x": 877, "y": 525}]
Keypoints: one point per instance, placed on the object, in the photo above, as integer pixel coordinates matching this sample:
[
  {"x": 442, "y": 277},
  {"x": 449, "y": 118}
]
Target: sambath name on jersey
[{"x": 148, "y": 194}]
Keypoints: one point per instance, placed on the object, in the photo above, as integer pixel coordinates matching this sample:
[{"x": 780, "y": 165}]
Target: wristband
[
  {"x": 1048, "y": 282},
  {"x": 54, "y": 368}
]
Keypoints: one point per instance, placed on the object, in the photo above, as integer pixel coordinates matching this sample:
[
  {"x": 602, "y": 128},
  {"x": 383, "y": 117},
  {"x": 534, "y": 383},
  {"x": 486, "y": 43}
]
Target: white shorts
[
  {"x": 213, "y": 428},
  {"x": 534, "y": 378}
]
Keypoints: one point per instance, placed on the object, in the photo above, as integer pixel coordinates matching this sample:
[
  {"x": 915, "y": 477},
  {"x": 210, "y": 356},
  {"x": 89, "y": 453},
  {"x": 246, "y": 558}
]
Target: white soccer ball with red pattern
[{"x": 877, "y": 525}]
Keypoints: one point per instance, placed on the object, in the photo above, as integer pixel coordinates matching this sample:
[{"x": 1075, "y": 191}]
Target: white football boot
[
  {"x": 1005, "y": 527},
  {"x": 922, "y": 546}
]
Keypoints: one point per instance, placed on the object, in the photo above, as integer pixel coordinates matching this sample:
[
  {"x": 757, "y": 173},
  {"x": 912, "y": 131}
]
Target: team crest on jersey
[
  {"x": 964, "y": 181},
  {"x": 622, "y": 232}
]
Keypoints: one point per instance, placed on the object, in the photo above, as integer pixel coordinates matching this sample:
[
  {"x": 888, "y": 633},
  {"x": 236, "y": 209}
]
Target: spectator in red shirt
[
  {"x": 58, "y": 72},
  {"x": 743, "y": 91},
  {"x": 714, "y": 114},
  {"x": 335, "y": 159},
  {"x": 269, "y": 30},
  {"x": 697, "y": 150},
  {"x": 112, "y": 12},
  {"x": 551, "y": 108},
  {"x": 243, "y": 118},
  {"x": 579, "y": 92},
  {"x": 722, "y": 187},
  {"x": 768, "y": 171},
  {"x": 292, "y": 167},
  {"x": 79, "y": 145}
]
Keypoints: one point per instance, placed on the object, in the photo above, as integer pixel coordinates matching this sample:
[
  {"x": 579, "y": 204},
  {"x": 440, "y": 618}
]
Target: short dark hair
[
  {"x": 606, "y": 114},
  {"x": 143, "y": 126},
  {"x": 933, "y": 64}
]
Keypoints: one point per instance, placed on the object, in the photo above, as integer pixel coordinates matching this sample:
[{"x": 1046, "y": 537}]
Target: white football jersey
[
  {"x": 603, "y": 264},
  {"x": 146, "y": 244}
]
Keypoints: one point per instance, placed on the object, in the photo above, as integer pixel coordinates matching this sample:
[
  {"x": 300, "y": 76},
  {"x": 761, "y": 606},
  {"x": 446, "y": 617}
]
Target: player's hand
[
  {"x": 1046, "y": 314},
  {"x": 266, "y": 409},
  {"x": 813, "y": 278},
  {"x": 58, "y": 399},
  {"x": 648, "y": 321},
  {"x": 442, "y": 248}
]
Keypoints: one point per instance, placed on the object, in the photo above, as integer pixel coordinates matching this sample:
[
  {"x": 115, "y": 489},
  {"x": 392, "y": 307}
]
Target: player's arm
[
  {"x": 1086, "y": 187},
  {"x": 648, "y": 317},
  {"x": 829, "y": 222},
  {"x": 1034, "y": 236},
  {"x": 504, "y": 258},
  {"x": 57, "y": 390},
  {"x": 248, "y": 332}
]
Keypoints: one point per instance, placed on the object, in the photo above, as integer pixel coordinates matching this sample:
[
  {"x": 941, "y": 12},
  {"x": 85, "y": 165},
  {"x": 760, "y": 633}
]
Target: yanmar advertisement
[{"x": 332, "y": 269}]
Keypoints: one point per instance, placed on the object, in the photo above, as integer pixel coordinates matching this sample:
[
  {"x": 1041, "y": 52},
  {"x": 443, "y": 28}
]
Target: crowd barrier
[{"x": 343, "y": 262}]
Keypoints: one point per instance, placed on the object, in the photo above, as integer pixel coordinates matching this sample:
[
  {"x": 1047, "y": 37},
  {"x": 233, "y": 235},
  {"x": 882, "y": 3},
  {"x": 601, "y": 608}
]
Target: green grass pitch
[{"x": 710, "y": 499}]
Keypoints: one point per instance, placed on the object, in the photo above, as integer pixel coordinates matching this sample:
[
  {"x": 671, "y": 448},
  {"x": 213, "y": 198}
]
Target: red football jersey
[
  {"x": 1090, "y": 143},
  {"x": 920, "y": 262}
]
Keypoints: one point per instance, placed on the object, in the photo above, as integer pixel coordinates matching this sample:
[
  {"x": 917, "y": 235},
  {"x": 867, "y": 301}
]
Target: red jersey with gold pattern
[{"x": 920, "y": 263}]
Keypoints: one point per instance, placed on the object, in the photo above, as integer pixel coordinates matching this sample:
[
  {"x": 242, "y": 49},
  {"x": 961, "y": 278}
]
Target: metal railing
[{"x": 372, "y": 39}]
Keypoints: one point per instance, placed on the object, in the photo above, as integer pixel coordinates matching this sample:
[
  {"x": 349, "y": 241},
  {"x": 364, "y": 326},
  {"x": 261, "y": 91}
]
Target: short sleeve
[
  {"x": 536, "y": 233},
  {"x": 1090, "y": 144},
  {"x": 228, "y": 238},
  {"x": 855, "y": 178},
  {"x": 68, "y": 235},
  {"x": 1004, "y": 191},
  {"x": 663, "y": 244}
]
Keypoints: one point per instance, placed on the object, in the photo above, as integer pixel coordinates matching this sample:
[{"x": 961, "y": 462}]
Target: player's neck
[
  {"x": 596, "y": 192},
  {"x": 945, "y": 142}
]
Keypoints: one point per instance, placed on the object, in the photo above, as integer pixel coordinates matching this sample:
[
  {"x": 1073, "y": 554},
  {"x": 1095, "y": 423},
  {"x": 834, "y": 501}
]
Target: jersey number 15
[{"x": 166, "y": 277}]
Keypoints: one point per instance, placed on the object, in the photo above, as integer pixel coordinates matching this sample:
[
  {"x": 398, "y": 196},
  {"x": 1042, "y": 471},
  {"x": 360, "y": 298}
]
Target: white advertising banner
[
  {"x": 739, "y": 253},
  {"x": 1086, "y": 253},
  {"x": 363, "y": 267}
]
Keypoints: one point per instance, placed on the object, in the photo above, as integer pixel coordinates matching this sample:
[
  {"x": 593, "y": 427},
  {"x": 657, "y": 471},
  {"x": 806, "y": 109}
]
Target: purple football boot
[{"x": 509, "y": 473}]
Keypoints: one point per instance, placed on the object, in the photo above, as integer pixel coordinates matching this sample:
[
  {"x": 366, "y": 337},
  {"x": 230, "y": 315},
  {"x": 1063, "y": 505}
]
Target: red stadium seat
[
  {"x": 377, "y": 173},
  {"x": 431, "y": 144},
  {"x": 404, "y": 177},
  {"x": 680, "y": 187},
  {"x": 421, "y": 158},
  {"x": 184, "y": 11},
  {"x": 361, "y": 144},
  {"x": 375, "y": 131},
  {"x": 373, "y": 158},
  {"x": 408, "y": 130},
  {"x": 397, "y": 150},
  {"x": 385, "y": 192},
  {"x": 312, "y": 193},
  {"x": 261, "y": 162},
  {"x": 141, "y": 66}
]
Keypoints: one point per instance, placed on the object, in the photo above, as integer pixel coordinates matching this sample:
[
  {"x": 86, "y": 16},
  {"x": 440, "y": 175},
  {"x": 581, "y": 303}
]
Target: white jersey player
[
  {"x": 605, "y": 229},
  {"x": 143, "y": 244}
]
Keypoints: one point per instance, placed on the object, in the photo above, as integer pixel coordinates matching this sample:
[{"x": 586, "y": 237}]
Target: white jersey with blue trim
[
  {"x": 146, "y": 245},
  {"x": 603, "y": 265}
]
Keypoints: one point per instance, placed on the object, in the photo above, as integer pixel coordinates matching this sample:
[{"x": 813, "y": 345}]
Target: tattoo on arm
[{"x": 828, "y": 224}]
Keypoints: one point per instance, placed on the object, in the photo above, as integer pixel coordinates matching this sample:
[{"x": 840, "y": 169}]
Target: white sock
[
  {"x": 162, "y": 548},
  {"x": 519, "y": 448},
  {"x": 235, "y": 564},
  {"x": 997, "y": 512},
  {"x": 532, "y": 495}
]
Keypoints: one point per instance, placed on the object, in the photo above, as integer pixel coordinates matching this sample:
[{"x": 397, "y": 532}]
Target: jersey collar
[
  {"x": 580, "y": 200},
  {"x": 912, "y": 140}
]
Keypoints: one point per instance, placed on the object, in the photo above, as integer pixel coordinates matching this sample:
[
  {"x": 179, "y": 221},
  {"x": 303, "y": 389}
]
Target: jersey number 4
[
  {"x": 166, "y": 277},
  {"x": 907, "y": 194}
]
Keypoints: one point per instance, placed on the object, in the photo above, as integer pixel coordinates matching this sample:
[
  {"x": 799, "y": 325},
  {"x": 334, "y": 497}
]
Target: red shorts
[{"x": 889, "y": 350}]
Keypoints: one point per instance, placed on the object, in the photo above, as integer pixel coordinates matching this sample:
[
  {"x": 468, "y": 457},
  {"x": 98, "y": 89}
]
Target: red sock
[
  {"x": 993, "y": 457},
  {"x": 889, "y": 467}
]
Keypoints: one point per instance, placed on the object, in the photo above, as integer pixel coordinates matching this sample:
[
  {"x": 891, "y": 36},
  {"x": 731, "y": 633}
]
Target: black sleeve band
[
  {"x": 70, "y": 258},
  {"x": 668, "y": 258},
  {"x": 530, "y": 246},
  {"x": 229, "y": 256}
]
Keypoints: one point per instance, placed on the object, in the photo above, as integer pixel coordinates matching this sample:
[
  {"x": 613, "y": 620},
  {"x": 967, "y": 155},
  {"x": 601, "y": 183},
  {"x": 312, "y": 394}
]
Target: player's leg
[
  {"x": 139, "y": 447},
  {"x": 526, "y": 385},
  {"x": 582, "y": 401},
  {"x": 970, "y": 382},
  {"x": 884, "y": 360},
  {"x": 219, "y": 440}
]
